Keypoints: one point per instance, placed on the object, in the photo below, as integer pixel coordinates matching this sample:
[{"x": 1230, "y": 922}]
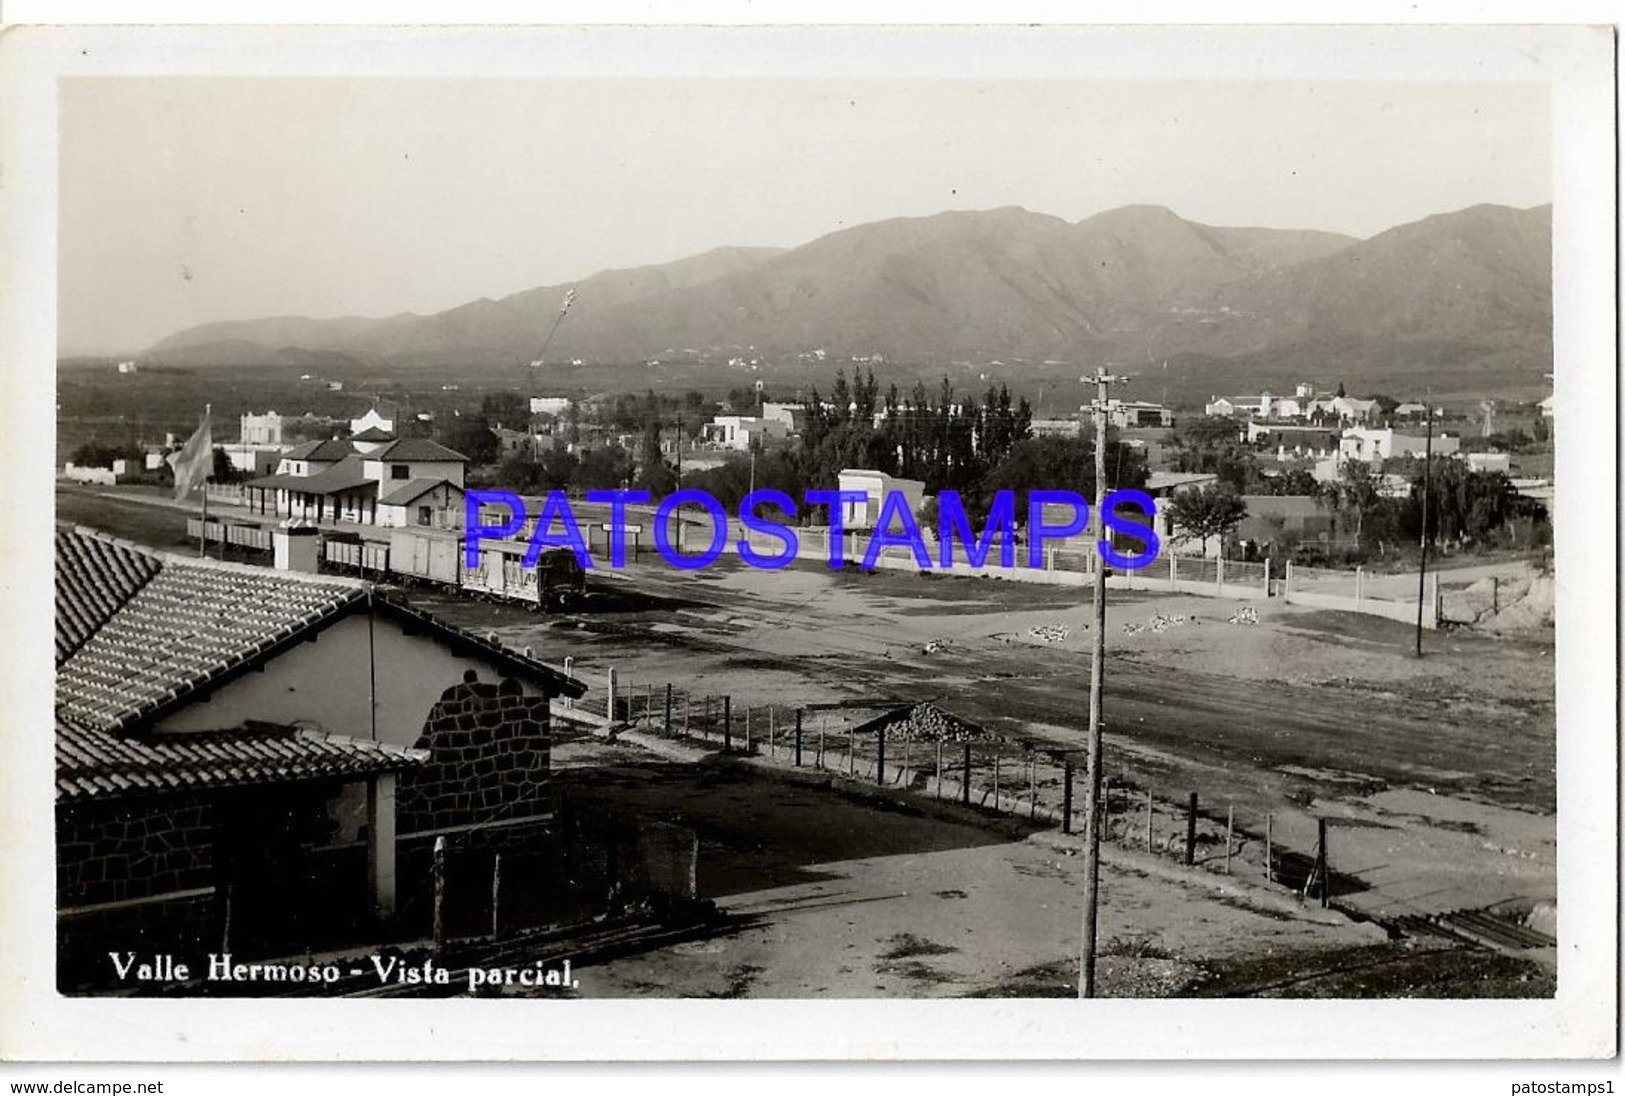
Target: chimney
[{"x": 295, "y": 548}]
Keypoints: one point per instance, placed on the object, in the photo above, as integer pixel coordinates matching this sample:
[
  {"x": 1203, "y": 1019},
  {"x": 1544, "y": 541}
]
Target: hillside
[{"x": 1137, "y": 282}]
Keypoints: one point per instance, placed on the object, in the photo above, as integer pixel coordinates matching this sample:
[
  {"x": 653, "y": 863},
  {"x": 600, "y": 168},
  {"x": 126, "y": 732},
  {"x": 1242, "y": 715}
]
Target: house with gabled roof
[{"x": 244, "y": 756}]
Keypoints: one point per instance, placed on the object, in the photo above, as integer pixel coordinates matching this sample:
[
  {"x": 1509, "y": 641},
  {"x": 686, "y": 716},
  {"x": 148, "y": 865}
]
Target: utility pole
[
  {"x": 1091, "y": 796},
  {"x": 1422, "y": 572}
]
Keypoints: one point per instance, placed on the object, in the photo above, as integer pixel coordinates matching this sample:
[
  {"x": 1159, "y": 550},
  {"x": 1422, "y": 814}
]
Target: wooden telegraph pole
[
  {"x": 1091, "y": 793},
  {"x": 1422, "y": 572}
]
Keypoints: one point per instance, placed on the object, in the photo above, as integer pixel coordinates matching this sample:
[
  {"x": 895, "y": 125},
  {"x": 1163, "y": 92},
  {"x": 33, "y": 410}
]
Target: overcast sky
[{"x": 189, "y": 200}]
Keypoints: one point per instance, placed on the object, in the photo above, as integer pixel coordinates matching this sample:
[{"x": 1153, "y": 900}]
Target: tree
[
  {"x": 509, "y": 409},
  {"x": 471, "y": 436},
  {"x": 1206, "y": 512},
  {"x": 604, "y": 469},
  {"x": 223, "y": 471},
  {"x": 1357, "y": 488}
]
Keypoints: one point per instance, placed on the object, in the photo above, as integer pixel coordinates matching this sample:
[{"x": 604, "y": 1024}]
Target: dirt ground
[
  {"x": 1436, "y": 775},
  {"x": 839, "y": 896}
]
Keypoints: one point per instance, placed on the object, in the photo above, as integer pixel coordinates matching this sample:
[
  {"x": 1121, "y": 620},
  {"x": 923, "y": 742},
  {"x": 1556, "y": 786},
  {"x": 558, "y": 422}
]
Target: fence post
[
  {"x": 649, "y": 702},
  {"x": 1229, "y": 830},
  {"x": 1066, "y": 799},
  {"x": 851, "y": 750},
  {"x": 1321, "y": 869},
  {"x": 880, "y": 756},
  {"x": 1269, "y": 848},
  {"x": 1190, "y": 833},
  {"x": 996, "y": 776},
  {"x": 1267, "y": 590},
  {"x": 1173, "y": 569},
  {"x": 705, "y": 719},
  {"x": 1032, "y": 787},
  {"x": 668, "y": 709},
  {"x": 798, "y": 738},
  {"x": 1219, "y": 584},
  {"x": 1359, "y": 586},
  {"x": 904, "y": 780},
  {"x": 727, "y": 724},
  {"x": 496, "y": 895},
  {"x": 609, "y": 708},
  {"x": 1495, "y": 595},
  {"x": 440, "y": 893},
  {"x": 939, "y": 767},
  {"x": 1150, "y": 845},
  {"x": 819, "y": 759},
  {"x": 964, "y": 792}
]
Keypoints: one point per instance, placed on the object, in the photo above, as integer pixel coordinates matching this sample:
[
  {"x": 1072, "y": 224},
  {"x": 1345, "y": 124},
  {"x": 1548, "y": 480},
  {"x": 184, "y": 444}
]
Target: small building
[
  {"x": 1125, "y": 414},
  {"x": 875, "y": 486},
  {"x": 370, "y": 440},
  {"x": 373, "y": 419},
  {"x": 792, "y": 415},
  {"x": 261, "y": 430},
  {"x": 1411, "y": 410},
  {"x": 549, "y": 405},
  {"x": 744, "y": 432},
  {"x": 1489, "y": 462},
  {"x": 1376, "y": 445},
  {"x": 313, "y": 457},
  {"x": 1056, "y": 428},
  {"x": 438, "y": 504},
  {"x": 271, "y": 755}
]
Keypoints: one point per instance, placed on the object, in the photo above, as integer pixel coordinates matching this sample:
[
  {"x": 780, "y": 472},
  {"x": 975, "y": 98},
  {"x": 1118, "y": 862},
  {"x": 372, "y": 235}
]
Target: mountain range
[{"x": 1467, "y": 291}]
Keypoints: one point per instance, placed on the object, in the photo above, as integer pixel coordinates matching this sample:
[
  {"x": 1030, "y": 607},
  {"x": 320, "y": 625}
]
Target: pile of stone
[
  {"x": 1049, "y": 633},
  {"x": 1245, "y": 615},
  {"x": 928, "y": 723}
]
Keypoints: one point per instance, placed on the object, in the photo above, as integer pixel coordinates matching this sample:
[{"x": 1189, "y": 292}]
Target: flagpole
[{"x": 203, "y": 529}]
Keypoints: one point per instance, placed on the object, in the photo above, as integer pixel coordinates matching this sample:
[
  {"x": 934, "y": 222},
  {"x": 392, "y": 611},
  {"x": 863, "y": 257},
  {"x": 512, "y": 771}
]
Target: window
[
  {"x": 425, "y": 515},
  {"x": 400, "y": 471}
]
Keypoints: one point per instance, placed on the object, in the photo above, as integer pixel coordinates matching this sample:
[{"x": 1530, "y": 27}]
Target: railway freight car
[{"x": 426, "y": 555}]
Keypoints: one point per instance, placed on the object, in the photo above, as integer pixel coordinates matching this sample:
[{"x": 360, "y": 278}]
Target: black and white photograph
[{"x": 827, "y": 516}]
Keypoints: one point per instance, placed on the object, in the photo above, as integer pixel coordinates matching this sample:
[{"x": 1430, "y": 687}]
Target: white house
[
  {"x": 549, "y": 405},
  {"x": 373, "y": 418},
  {"x": 313, "y": 457},
  {"x": 875, "y": 486},
  {"x": 265, "y": 430},
  {"x": 1489, "y": 462},
  {"x": 744, "y": 431},
  {"x": 413, "y": 458},
  {"x": 1373, "y": 445},
  {"x": 436, "y": 503}
]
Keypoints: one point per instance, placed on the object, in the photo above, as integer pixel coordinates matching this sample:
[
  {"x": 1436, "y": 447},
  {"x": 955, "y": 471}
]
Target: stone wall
[
  {"x": 489, "y": 750},
  {"x": 133, "y": 848}
]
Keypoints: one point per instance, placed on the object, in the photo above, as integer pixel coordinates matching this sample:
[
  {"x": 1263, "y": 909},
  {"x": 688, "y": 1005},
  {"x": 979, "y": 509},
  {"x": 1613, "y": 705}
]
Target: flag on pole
[{"x": 193, "y": 462}]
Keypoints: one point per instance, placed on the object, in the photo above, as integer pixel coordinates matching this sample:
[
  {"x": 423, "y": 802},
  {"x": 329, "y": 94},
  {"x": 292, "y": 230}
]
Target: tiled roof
[
  {"x": 415, "y": 489},
  {"x": 93, "y": 763},
  {"x": 193, "y": 624},
  {"x": 187, "y": 625},
  {"x": 373, "y": 433},
  {"x": 417, "y": 449},
  {"x": 345, "y": 476},
  {"x": 329, "y": 450},
  {"x": 94, "y": 577}
]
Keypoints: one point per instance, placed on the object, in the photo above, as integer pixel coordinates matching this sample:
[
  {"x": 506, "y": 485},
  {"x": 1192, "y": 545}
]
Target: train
[{"x": 423, "y": 556}]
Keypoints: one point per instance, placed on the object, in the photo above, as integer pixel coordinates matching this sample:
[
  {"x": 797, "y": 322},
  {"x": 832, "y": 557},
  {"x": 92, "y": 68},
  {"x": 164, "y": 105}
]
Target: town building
[
  {"x": 1376, "y": 445},
  {"x": 258, "y": 761},
  {"x": 330, "y": 481},
  {"x": 1125, "y": 414},
  {"x": 261, "y": 430},
  {"x": 875, "y": 487},
  {"x": 549, "y": 405},
  {"x": 371, "y": 440},
  {"x": 744, "y": 432},
  {"x": 436, "y": 503},
  {"x": 373, "y": 418}
]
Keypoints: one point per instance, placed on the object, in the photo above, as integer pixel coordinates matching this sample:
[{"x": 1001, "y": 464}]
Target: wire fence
[{"x": 940, "y": 758}]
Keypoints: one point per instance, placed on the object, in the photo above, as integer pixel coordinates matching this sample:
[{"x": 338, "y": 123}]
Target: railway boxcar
[
  {"x": 557, "y": 580},
  {"x": 426, "y": 555}
]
